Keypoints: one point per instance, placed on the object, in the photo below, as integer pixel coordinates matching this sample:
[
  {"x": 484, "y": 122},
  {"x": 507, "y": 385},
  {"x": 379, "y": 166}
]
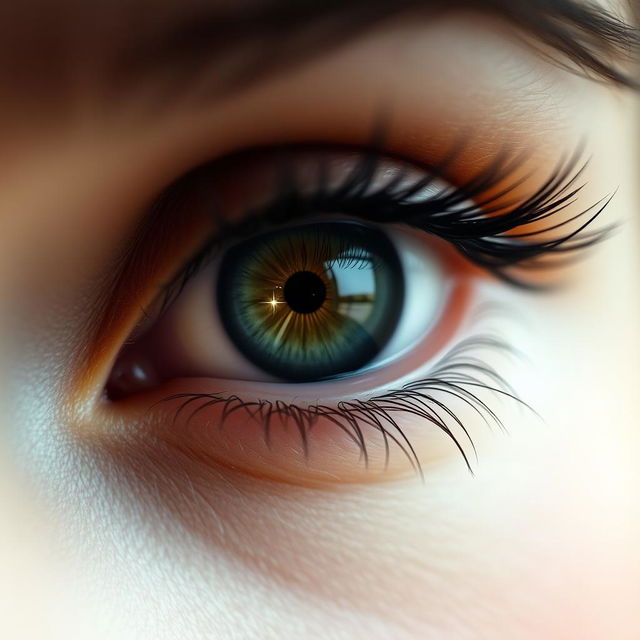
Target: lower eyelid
[{"x": 229, "y": 432}]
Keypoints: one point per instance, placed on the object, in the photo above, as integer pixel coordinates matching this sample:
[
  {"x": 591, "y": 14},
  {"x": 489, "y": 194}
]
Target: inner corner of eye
[{"x": 303, "y": 302}]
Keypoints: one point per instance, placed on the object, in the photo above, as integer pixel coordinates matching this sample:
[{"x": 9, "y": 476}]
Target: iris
[{"x": 312, "y": 301}]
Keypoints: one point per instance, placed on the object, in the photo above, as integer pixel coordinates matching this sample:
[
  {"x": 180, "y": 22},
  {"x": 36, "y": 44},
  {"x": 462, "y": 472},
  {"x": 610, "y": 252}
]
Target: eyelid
[
  {"x": 359, "y": 189},
  {"x": 190, "y": 201},
  {"x": 187, "y": 415},
  {"x": 479, "y": 217}
]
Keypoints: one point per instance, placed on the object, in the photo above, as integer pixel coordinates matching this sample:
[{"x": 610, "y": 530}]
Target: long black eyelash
[
  {"x": 482, "y": 228},
  {"x": 459, "y": 375}
]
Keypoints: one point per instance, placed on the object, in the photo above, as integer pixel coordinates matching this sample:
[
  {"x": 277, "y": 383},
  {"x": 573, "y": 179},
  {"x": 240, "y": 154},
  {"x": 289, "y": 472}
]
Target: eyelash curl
[
  {"x": 457, "y": 375},
  {"x": 482, "y": 228}
]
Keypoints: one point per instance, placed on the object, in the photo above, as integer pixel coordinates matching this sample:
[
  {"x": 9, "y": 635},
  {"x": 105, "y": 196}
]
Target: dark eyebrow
[{"x": 276, "y": 34}]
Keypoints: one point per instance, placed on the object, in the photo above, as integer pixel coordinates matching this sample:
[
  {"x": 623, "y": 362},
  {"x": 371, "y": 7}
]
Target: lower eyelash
[{"x": 459, "y": 375}]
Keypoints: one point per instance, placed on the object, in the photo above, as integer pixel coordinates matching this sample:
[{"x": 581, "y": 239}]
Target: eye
[
  {"x": 300, "y": 304},
  {"x": 328, "y": 316},
  {"x": 331, "y": 297}
]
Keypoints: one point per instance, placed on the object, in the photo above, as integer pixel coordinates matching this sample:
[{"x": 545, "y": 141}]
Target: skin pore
[{"x": 114, "y": 529}]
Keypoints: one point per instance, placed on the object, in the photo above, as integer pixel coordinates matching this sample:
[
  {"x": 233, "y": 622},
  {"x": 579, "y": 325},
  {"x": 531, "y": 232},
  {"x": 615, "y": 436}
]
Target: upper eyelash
[{"x": 483, "y": 231}]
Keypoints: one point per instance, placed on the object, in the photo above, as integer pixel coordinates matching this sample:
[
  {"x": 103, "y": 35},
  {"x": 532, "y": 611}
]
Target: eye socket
[{"x": 433, "y": 241}]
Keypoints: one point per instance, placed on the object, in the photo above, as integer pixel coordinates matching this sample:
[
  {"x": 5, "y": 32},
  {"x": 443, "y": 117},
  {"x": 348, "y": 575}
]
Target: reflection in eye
[
  {"x": 335, "y": 298},
  {"x": 314, "y": 301},
  {"x": 305, "y": 303}
]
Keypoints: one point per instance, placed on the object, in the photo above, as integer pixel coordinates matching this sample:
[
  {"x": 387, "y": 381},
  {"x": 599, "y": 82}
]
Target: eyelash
[
  {"x": 483, "y": 232},
  {"x": 456, "y": 375}
]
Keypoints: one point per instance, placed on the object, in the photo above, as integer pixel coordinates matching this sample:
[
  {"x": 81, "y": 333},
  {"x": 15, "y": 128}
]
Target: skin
[{"x": 112, "y": 528}]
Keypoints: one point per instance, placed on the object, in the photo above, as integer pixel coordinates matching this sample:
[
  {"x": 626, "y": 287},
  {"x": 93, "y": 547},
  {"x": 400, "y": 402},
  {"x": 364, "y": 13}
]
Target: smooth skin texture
[{"x": 109, "y": 531}]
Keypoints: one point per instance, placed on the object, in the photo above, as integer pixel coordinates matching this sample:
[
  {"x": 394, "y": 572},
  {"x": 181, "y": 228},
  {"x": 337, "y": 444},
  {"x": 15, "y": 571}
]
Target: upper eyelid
[{"x": 497, "y": 257}]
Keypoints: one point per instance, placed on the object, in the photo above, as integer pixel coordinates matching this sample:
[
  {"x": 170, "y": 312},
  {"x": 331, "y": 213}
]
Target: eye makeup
[{"x": 483, "y": 218}]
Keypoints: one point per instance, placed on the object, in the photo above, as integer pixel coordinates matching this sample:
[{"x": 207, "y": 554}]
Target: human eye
[
  {"x": 478, "y": 201},
  {"x": 307, "y": 326},
  {"x": 329, "y": 314}
]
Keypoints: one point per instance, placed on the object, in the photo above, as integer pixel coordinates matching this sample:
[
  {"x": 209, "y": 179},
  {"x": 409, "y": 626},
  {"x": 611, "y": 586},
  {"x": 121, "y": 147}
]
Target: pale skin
[{"x": 105, "y": 534}]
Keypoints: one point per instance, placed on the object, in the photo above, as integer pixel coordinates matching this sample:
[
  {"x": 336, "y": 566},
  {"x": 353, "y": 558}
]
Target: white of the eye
[{"x": 426, "y": 290}]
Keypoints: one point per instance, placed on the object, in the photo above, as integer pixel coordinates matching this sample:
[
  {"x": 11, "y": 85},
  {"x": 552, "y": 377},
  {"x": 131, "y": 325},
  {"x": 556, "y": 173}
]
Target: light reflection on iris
[{"x": 312, "y": 301}]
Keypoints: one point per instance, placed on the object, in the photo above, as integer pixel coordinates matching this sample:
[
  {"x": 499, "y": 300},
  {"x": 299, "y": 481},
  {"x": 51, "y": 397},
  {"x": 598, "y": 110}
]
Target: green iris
[{"x": 312, "y": 301}]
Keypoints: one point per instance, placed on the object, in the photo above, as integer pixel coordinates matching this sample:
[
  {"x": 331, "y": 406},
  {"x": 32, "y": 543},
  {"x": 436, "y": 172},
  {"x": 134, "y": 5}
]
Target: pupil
[{"x": 305, "y": 292}]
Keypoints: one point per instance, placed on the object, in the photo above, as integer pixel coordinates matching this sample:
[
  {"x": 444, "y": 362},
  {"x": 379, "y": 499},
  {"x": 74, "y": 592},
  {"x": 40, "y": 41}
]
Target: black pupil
[{"x": 305, "y": 292}]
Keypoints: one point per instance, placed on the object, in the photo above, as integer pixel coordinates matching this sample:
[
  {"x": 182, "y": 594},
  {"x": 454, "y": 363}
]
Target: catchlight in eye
[{"x": 312, "y": 301}]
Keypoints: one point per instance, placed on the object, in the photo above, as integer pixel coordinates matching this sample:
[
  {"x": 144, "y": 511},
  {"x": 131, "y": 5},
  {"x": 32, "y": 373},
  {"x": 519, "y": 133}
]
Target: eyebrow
[{"x": 249, "y": 43}]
